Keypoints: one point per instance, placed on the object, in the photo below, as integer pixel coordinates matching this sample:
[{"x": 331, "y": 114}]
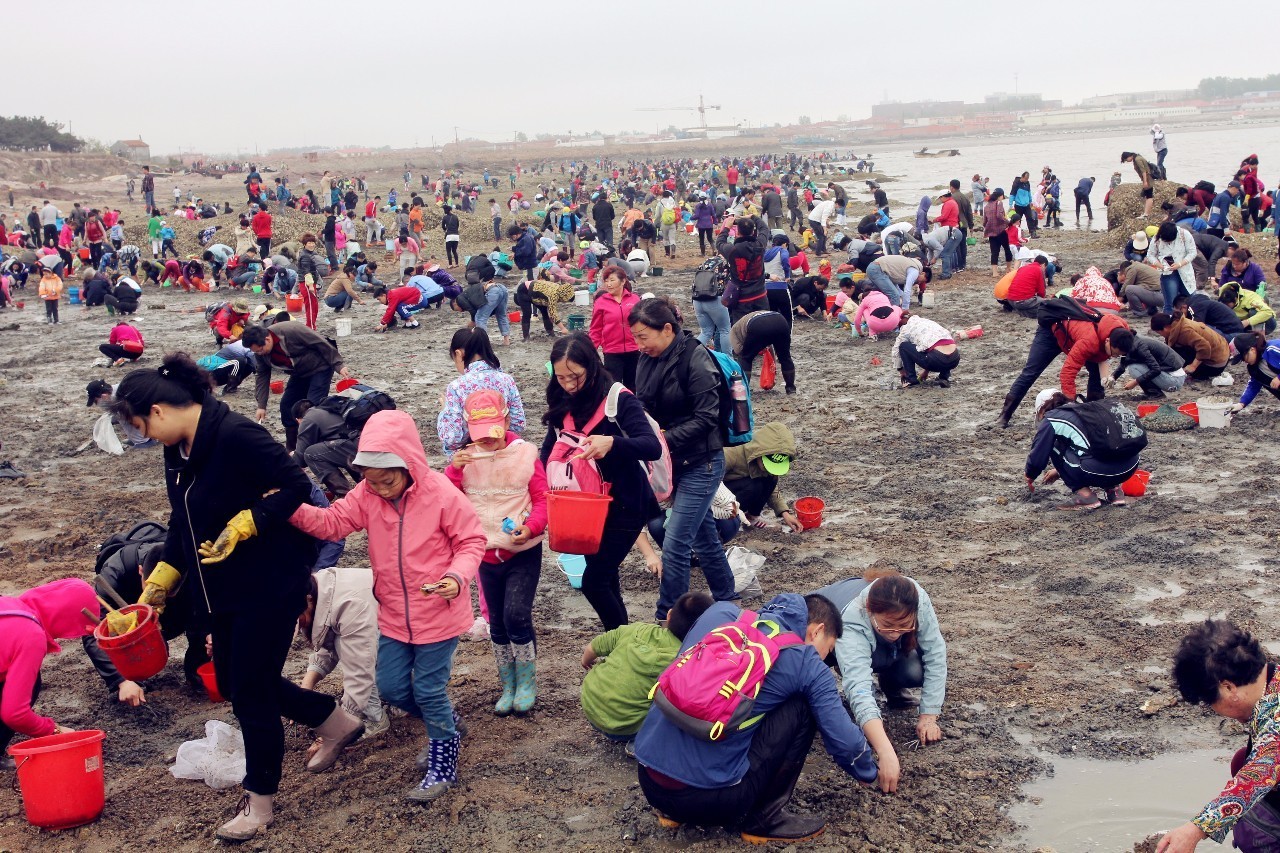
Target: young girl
[
  {"x": 474, "y": 358},
  {"x": 425, "y": 542},
  {"x": 51, "y": 292},
  {"x": 506, "y": 483}
]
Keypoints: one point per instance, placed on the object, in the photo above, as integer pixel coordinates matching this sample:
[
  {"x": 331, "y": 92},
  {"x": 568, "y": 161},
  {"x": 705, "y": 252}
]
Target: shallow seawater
[{"x": 1087, "y": 805}]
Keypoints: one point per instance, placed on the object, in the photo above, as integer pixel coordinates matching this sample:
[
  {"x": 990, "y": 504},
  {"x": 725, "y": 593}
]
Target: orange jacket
[
  {"x": 1083, "y": 342},
  {"x": 50, "y": 288}
]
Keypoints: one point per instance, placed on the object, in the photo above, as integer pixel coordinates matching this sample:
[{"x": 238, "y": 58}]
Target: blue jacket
[
  {"x": 665, "y": 748},
  {"x": 1266, "y": 370},
  {"x": 525, "y": 251},
  {"x": 1218, "y": 210}
]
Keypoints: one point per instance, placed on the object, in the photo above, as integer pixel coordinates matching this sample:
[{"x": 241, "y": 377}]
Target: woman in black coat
[{"x": 231, "y": 489}]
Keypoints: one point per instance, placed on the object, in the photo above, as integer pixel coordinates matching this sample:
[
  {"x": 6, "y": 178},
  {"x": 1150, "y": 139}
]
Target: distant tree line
[
  {"x": 1228, "y": 87},
  {"x": 32, "y": 133}
]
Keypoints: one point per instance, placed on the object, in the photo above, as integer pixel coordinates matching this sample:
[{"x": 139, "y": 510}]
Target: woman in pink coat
[
  {"x": 425, "y": 547},
  {"x": 879, "y": 315},
  {"x": 610, "y": 328}
]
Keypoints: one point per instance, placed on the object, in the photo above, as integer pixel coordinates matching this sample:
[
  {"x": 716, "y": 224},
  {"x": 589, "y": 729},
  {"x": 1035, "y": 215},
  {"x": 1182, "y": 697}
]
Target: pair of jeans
[
  {"x": 1162, "y": 381},
  {"x": 309, "y": 386},
  {"x": 713, "y": 323},
  {"x": 931, "y": 360},
  {"x": 339, "y": 301},
  {"x": 778, "y": 750},
  {"x": 692, "y": 529},
  {"x": 820, "y": 236},
  {"x": 495, "y": 303},
  {"x": 1170, "y": 287},
  {"x": 950, "y": 260},
  {"x": 249, "y": 651},
  {"x": 1044, "y": 349},
  {"x": 962, "y": 250},
  {"x": 497, "y": 229},
  {"x": 1082, "y": 199},
  {"x": 1143, "y": 301},
  {"x": 880, "y": 281},
  {"x": 1258, "y": 830},
  {"x": 414, "y": 678},
  {"x": 509, "y": 588}
]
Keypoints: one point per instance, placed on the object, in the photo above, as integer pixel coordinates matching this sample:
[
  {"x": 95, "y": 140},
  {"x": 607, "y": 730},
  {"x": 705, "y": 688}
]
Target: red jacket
[
  {"x": 732, "y": 175},
  {"x": 950, "y": 214},
  {"x": 398, "y": 296},
  {"x": 261, "y": 225},
  {"x": 1027, "y": 282},
  {"x": 370, "y": 210},
  {"x": 610, "y": 329},
  {"x": 1083, "y": 342}
]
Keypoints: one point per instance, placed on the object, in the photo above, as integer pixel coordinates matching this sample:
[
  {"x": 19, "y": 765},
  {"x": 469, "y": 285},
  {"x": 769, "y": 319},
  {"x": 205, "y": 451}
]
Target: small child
[
  {"x": 167, "y": 236},
  {"x": 51, "y": 292},
  {"x": 623, "y": 665},
  {"x": 425, "y": 542},
  {"x": 806, "y": 238},
  {"x": 845, "y": 306},
  {"x": 505, "y": 481},
  {"x": 399, "y": 302}
]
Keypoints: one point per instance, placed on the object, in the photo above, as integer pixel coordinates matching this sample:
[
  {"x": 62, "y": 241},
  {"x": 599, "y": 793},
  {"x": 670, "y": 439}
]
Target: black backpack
[
  {"x": 369, "y": 404},
  {"x": 211, "y": 312},
  {"x": 1111, "y": 428},
  {"x": 1063, "y": 308},
  {"x": 1207, "y": 187},
  {"x": 709, "y": 280},
  {"x": 480, "y": 269},
  {"x": 126, "y": 547}
]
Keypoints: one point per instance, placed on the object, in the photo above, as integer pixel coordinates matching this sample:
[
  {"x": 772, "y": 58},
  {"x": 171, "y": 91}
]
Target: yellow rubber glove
[
  {"x": 159, "y": 585},
  {"x": 239, "y": 528},
  {"x": 119, "y": 624}
]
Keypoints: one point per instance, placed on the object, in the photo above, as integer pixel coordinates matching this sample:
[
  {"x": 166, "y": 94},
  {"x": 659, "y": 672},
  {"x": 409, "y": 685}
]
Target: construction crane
[{"x": 700, "y": 109}]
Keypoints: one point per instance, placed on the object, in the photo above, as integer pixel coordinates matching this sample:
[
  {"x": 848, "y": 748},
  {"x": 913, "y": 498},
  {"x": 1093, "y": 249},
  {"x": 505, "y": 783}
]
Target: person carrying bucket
[
  {"x": 30, "y": 626},
  {"x": 505, "y": 481}
]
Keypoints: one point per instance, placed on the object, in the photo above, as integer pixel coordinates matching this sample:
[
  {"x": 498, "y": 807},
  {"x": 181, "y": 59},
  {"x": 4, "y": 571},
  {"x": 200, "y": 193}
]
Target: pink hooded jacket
[
  {"x": 430, "y": 533},
  {"x": 29, "y": 627}
]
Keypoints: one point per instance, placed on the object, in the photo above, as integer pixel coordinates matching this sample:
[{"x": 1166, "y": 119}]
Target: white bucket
[
  {"x": 343, "y": 325},
  {"x": 1214, "y": 415},
  {"x": 928, "y": 299},
  {"x": 582, "y": 297}
]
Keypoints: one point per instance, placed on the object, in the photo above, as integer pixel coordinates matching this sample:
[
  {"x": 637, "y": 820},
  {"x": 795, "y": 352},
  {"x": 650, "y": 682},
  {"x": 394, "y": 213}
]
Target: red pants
[{"x": 310, "y": 305}]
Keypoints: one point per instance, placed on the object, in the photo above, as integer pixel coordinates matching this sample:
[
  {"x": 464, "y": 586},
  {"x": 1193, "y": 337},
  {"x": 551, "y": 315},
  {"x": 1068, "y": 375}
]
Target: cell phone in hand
[{"x": 429, "y": 588}]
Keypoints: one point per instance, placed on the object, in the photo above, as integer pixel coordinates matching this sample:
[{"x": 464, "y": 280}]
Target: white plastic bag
[
  {"x": 217, "y": 758},
  {"x": 745, "y": 565},
  {"x": 104, "y": 435}
]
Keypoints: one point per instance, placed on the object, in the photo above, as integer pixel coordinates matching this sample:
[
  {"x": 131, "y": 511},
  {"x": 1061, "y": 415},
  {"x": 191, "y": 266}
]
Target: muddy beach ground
[{"x": 1054, "y": 632}]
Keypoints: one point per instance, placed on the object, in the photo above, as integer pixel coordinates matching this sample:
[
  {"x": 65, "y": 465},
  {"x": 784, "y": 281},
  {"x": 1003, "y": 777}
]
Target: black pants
[
  {"x": 769, "y": 332},
  {"x": 451, "y": 251},
  {"x": 115, "y": 351},
  {"x": 779, "y": 299},
  {"x": 600, "y": 578},
  {"x": 526, "y": 316},
  {"x": 508, "y": 590},
  {"x": 1030, "y": 216},
  {"x": 796, "y": 219},
  {"x": 1204, "y": 371},
  {"x": 264, "y": 248},
  {"x": 931, "y": 360},
  {"x": 962, "y": 250},
  {"x": 820, "y": 235},
  {"x": 778, "y": 750},
  {"x": 51, "y": 235},
  {"x": 95, "y": 252},
  {"x": 123, "y": 306},
  {"x": 622, "y": 367},
  {"x": 51, "y": 310},
  {"x": 1000, "y": 241},
  {"x": 249, "y": 651},
  {"x": 1044, "y": 349},
  {"x": 705, "y": 238},
  {"x": 752, "y": 492},
  {"x": 1083, "y": 199},
  {"x": 6, "y": 733}
]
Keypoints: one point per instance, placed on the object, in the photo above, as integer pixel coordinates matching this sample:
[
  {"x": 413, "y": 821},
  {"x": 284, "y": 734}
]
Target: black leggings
[
  {"x": 932, "y": 360},
  {"x": 51, "y": 309},
  {"x": 115, "y": 351},
  {"x": 705, "y": 239},
  {"x": 769, "y": 331},
  {"x": 1030, "y": 216},
  {"x": 622, "y": 367},
  {"x": 526, "y": 316},
  {"x": 779, "y": 299},
  {"x": 451, "y": 251},
  {"x": 509, "y": 588},
  {"x": 998, "y": 243},
  {"x": 600, "y": 578}
]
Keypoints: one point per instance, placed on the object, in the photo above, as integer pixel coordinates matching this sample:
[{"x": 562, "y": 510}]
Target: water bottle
[
  {"x": 508, "y": 526},
  {"x": 741, "y": 412}
]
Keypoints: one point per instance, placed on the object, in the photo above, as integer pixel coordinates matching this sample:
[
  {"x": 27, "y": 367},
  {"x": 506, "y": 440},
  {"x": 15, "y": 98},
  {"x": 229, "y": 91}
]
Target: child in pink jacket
[
  {"x": 29, "y": 626},
  {"x": 875, "y": 315},
  {"x": 425, "y": 544},
  {"x": 504, "y": 479}
]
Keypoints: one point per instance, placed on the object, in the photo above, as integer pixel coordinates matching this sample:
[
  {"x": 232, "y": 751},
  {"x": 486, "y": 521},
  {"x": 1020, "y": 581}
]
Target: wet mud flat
[{"x": 1055, "y": 638}]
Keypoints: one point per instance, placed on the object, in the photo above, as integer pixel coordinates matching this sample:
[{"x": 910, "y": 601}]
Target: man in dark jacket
[
  {"x": 1209, "y": 250},
  {"x": 325, "y": 445},
  {"x": 524, "y": 252},
  {"x": 309, "y": 359},
  {"x": 745, "y": 781},
  {"x": 771, "y": 207},
  {"x": 793, "y": 207},
  {"x": 745, "y": 291},
  {"x": 1205, "y": 309},
  {"x": 602, "y": 212},
  {"x": 1150, "y": 363}
]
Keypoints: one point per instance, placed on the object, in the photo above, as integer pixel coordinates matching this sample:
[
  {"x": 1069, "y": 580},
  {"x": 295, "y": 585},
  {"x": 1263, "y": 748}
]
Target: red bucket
[
  {"x": 831, "y": 302},
  {"x": 277, "y": 386},
  {"x": 514, "y": 316},
  {"x": 809, "y": 512},
  {"x": 142, "y": 652},
  {"x": 1191, "y": 410},
  {"x": 210, "y": 680},
  {"x": 1145, "y": 409},
  {"x": 1136, "y": 486},
  {"x": 575, "y": 521},
  {"x": 293, "y": 304},
  {"x": 61, "y": 778}
]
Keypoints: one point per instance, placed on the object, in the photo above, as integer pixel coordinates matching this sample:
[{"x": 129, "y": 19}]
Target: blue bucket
[
  {"x": 73, "y": 293},
  {"x": 573, "y": 565}
]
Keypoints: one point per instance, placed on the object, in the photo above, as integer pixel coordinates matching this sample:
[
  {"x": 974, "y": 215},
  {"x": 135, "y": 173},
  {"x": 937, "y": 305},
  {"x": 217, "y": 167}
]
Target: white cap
[{"x": 1042, "y": 399}]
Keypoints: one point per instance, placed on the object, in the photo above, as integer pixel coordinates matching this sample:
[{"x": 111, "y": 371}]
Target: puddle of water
[
  {"x": 1171, "y": 590},
  {"x": 1089, "y": 805},
  {"x": 1150, "y": 621}
]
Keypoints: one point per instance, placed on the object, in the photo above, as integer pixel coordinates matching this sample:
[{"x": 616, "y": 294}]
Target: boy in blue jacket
[{"x": 745, "y": 781}]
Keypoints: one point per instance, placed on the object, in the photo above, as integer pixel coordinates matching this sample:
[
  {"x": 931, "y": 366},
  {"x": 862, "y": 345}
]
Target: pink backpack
[
  {"x": 659, "y": 471},
  {"x": 567, "y": 473},
  {"x": 710, "y": 690}
]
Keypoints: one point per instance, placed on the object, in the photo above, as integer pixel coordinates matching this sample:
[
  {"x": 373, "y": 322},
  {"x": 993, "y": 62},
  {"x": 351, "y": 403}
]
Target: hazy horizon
[{"x": 408, "y": 77}]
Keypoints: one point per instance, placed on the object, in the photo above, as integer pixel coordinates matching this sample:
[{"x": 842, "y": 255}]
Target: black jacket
[
  {"x": 449, "y": 223},
  {"x": 771, "y": 203},
  {"x": 746, "y": 266},
  {"x": 681, "y": 390},
  {"x": 1154, "y": 355},
  {"x": 1215, "y": 315},
  {"x": 307, "y": 266},
  {"x": 232, "y": 466},
  {"x": 602, "y": 212}
]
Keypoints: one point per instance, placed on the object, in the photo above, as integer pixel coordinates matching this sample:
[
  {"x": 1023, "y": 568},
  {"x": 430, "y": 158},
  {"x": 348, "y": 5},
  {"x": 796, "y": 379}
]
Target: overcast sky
[{"x": 235, "y": 75}]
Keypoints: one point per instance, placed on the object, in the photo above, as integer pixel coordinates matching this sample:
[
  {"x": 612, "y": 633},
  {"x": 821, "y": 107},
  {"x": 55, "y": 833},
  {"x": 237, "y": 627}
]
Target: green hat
[{"x": 777, "y": 464}]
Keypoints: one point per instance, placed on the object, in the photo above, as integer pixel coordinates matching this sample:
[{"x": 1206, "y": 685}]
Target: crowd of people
[{"x": 636, "y": 400}]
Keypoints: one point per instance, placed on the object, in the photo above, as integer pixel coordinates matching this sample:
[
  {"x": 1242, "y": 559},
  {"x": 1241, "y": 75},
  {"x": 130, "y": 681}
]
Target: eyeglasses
[{"x": 892, "y": 631}]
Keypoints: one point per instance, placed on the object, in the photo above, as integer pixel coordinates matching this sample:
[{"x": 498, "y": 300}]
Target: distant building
[{"x": 133, "y": 150}]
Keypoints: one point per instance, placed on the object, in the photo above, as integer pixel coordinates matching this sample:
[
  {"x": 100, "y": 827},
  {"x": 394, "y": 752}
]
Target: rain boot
[
  {"x": 253, "y": 814},
  {"x": 339, "y": 730},
  {"x": 773, "y": 822},
  {"x": 526, "y": 684},
  {"x": 442, "y": 770},
  {"x": 507, "y": 676},
  {"x": 1006, "y": 412}
]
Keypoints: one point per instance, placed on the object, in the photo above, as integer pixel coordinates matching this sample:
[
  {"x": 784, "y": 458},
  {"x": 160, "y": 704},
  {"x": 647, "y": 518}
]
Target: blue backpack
[{"x": 736, "y": 427}]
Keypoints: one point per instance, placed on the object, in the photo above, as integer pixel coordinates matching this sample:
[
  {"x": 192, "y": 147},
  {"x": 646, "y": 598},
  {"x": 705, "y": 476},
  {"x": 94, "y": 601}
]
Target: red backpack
[
  {"x": 565, "y": 471},
  {"x": 710, "y": 690}
]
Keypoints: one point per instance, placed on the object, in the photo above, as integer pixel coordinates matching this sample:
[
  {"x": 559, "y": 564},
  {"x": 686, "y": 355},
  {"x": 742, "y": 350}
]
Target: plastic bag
[
  {"x": 768, "y": 371},
  {"x": 104, "y": 435},
  {"x": 217, "y": 758},
  {"x": 745, "y": 565}
]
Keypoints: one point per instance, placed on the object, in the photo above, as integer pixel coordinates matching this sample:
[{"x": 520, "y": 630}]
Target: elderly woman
[
  {"x": 890, "y": 635},
  {"x": 1224, "y": 667},
  {"x": 1172, "y": 252}
]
